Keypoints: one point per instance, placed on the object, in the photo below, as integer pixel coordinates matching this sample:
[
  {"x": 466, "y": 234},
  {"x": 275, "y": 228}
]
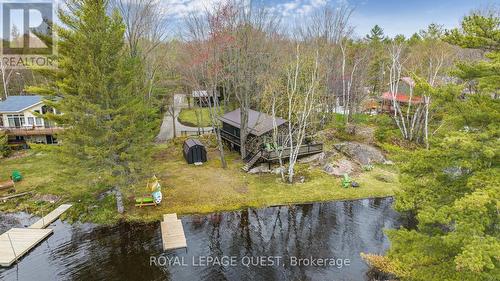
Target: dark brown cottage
[{"x": 259, "y": 144}]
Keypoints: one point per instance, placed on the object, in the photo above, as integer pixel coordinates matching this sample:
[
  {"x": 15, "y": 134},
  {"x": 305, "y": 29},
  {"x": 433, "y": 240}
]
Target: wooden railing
[
  {"x": 30, "y": 131},
  {"x": 230, "y": 137},
  {"x": 305, "y": 149},
  {"x": 201, "y": 131}
]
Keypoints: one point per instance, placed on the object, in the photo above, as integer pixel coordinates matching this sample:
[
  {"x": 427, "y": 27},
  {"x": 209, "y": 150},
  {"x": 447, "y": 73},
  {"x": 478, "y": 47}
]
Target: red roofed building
[{"x": 402, "y": 96}]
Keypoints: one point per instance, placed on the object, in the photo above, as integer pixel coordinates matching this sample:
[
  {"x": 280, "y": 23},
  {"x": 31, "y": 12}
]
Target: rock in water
[{"x": 362, "y": 153}]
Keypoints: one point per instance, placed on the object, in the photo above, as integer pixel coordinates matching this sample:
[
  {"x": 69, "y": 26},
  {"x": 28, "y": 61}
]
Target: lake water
[{"x": 252, "y": 244}]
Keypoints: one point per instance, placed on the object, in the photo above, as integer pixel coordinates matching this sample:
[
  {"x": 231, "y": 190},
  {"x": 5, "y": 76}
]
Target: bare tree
[
  {"x": 145, "y": 30},
  {"x": 248, "y": 60},
  {"x": 209, "y": 38},
  {"x": 301, "y": 100},
  {"x": 6, "y": 76},
  {"x": 413, "y": 124}
]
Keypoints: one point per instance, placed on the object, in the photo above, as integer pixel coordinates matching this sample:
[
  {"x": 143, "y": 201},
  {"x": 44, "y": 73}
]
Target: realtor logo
[{"x": 27, "y": 33}]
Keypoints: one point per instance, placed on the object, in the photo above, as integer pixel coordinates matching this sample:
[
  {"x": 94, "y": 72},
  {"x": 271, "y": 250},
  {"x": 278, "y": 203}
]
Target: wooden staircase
[{"x": 252, "y": 161}]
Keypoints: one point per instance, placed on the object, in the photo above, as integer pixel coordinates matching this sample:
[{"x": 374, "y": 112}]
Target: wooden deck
[
  {"x": 37, "y": 131},
  {"x": 51, "y": 217},
  {"x": 16, "y": 242},
  {"x": 172, "y": 233}
]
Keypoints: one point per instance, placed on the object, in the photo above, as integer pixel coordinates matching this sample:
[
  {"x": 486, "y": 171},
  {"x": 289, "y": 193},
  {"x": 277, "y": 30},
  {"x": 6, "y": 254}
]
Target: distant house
[
  {"x": 203, "y": 98},
  {"x": 403, "y": 96},
  {"x": 21, "y": 119},
  {"x": 259, "y": 144}
]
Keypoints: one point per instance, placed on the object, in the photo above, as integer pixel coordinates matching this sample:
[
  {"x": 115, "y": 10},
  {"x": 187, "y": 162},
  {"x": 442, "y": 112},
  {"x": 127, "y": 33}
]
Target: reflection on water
[{"x": 124, "y": 252}]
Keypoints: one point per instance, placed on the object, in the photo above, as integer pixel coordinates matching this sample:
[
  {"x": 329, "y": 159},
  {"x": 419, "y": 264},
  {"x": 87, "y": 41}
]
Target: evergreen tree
[
  {"x": 480, "y": 32},
  {"x": 454, "y": 188},
  {"x": 4, "y": 148},
  {"x": 377, "y": 63},
  {"x": 376, "y": 34},
  {"x": 107, "y": 124}
]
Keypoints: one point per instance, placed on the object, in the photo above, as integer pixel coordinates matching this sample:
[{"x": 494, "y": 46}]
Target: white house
[{"x": 20, "y": 119}]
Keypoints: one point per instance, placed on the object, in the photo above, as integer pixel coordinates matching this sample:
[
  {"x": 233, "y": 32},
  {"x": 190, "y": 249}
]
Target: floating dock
[
  {"x": 172, "y": 233},
  {"x": 16, "y": 242},
  {"x": 51, "y": 217}
]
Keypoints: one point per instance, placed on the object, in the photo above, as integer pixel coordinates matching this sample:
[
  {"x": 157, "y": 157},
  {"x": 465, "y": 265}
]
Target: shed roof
[
  {"x": 14, "y": 104},
  {"x": 202, "y": 94},
  {"x": 193, "y": 142},
  {"x": 259, "y": 123}
]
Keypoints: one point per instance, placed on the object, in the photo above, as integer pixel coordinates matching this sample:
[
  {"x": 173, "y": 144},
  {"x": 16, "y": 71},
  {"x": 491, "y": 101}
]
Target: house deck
[{"x": 37, "y": 131}]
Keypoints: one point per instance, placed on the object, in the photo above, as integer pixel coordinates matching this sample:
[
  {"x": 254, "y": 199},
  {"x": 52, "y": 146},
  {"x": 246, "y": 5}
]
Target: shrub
[{"x": 4, "y": 148}]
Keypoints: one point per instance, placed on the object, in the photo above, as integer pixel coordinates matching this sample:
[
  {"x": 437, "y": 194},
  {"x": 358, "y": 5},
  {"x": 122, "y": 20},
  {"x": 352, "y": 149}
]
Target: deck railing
[
  {"x": 305, "y": 149},
  {"x": 201, "y": 131},
  {"x": 230, "y": 137},
  {"x": 31, "y": 131}
]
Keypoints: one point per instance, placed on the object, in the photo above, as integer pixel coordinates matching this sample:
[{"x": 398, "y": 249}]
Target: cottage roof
[
  {"x": 259, "y": 123},
  {"x": 16, "y": 104},
  {"x": 402, "y": 97}
]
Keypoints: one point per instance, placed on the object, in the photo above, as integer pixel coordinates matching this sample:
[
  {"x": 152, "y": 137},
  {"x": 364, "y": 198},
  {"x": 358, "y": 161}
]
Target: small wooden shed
[{"x": 194, "y": 151}]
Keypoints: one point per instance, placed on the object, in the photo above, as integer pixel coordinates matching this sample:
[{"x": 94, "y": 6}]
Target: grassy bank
[
  {"x": 50, "y": 180},
  {"x": 190, "y": 189},
  {"x": 195, "y": 117},
  {"x": 187, "y": 189}
]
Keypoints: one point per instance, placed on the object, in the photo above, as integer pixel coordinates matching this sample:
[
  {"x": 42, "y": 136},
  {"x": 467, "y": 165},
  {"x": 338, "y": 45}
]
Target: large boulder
[
  {"x": 279, "y": 170},
  {"x": 312, "y": 158},
  {"x": 362, "y": 153},
  {"x": 263, "y": 168},
  {"x": 340, "y": 167}
]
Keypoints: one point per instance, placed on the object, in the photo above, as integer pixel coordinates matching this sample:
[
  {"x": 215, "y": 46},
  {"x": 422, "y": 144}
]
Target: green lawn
[
  {"x": 190, "y": 189},
  {"x": 187, "y": 189},
  {"x": 45, "y": 175},
  {"x": 195, "y": 117}
]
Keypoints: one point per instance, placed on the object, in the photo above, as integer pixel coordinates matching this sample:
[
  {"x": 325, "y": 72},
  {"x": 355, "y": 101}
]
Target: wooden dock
[
  {"x": 51, "y": 217},
  {"x": 172, "y": 233},
  {"x": 16, "y": 242}
]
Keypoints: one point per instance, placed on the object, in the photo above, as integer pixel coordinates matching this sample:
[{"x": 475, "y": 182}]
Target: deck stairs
[{"x": 252, "y": 161}]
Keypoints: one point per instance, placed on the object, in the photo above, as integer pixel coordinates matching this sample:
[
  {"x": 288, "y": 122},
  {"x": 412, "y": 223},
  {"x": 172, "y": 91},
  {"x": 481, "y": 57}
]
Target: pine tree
[
  {"x": 107, "y": 124},
  {"x": 378, "y": 62},
  {"x": 376, "y": 34},
  {"x": 454, "y": 188},
  {"x": 4, "y": 148},
  {"x": 480, "y": 32}
]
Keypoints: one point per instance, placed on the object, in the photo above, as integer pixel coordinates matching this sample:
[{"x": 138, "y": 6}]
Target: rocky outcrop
[
  {"x": 312, "y": 158},
  {"x": 340, "y": 167},
  {"x": 362, "y": 153},
  {"x": 263, "y": 168}
]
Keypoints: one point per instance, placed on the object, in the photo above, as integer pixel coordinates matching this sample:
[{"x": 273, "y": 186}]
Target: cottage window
[
  {"x": 15, "y": 120},
  {"x": 31, "y": 121},
  {"x": 38, "y": 121}
]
